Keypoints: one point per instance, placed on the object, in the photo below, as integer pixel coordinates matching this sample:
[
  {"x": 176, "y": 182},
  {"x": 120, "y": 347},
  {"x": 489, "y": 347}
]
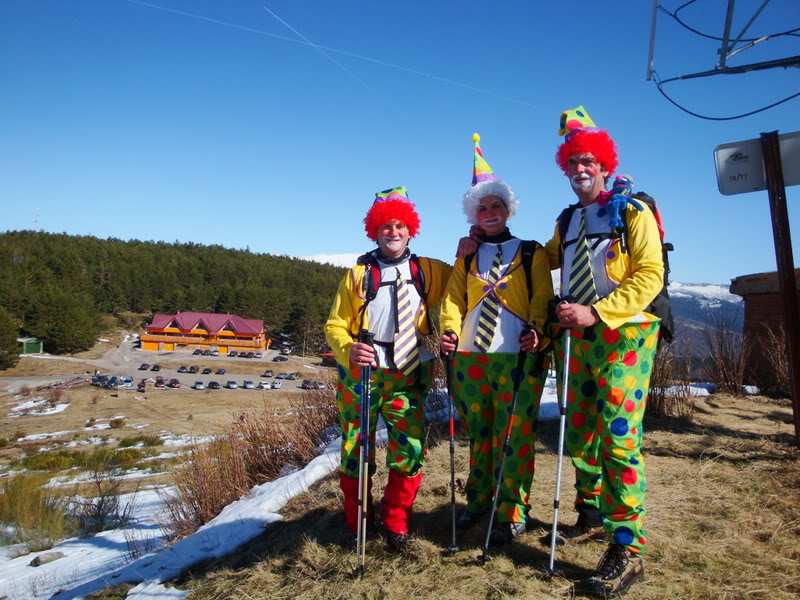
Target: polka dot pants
[
  {"x": 609, "y": 378},
  {"x": 484, "y": 389},
  {"x": 399, "y": 399}
]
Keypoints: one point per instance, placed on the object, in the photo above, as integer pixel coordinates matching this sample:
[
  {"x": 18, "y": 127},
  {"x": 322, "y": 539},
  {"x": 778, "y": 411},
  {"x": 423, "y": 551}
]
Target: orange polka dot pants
[
  {"x": 609, "y": 378},
  {"x": 399, "y": 400},
  {"x": 484, "y": 389}
]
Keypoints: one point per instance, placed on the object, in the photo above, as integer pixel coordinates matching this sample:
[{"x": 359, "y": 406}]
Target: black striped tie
[
  {"x": 581, "y": 282},
  {"x": 490, "y": 308},
  {"x": 406, "y": 351}
]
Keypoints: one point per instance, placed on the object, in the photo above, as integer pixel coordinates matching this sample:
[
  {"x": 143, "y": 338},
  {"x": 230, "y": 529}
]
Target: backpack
[
  {"x": 372, "y": 281},
  {"x": 660, "y": 306},
  {"x": 528, "y": 248}
]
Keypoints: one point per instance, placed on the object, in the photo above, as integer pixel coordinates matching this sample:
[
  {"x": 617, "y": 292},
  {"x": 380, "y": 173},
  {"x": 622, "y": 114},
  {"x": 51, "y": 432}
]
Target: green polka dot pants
[
  {"x": 399, "y": 399},
  {"x": 609, "y": 378},
  {"x": 484, "y": 389}
]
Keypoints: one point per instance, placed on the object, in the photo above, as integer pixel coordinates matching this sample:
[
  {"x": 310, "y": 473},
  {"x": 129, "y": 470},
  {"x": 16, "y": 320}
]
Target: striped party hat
[{"x": 481, "y": 171}]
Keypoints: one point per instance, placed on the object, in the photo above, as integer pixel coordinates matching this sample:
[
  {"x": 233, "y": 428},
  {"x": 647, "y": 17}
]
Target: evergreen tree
[{"x": 9, "y": 346}]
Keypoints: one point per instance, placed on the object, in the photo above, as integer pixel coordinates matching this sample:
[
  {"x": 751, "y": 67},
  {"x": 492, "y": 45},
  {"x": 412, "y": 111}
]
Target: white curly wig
[{"x": 499, "y": 188}]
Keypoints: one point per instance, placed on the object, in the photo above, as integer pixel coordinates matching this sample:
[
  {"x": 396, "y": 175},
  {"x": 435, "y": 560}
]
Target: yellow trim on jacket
[
  {"x": 513, "y": 296},
  {"x": 639, "y": 271},
  {"x": 345, "y": 318}
]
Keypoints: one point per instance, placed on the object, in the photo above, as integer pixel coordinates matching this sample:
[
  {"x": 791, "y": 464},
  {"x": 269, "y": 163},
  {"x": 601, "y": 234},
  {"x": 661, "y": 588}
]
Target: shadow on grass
[{"x": 327, "y": 528}]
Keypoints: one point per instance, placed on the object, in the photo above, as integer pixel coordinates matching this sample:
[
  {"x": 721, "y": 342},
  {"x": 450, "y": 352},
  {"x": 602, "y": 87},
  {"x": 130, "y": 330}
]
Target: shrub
[
  {"x": 55, "y": 396},
  {"x": 18, "y": 434},
  {"x": 103, "y": 509},
  {"x": 3, "y": 442},
  {"x": 127, "y": 458},
  {"x": 91, "y": 422},
  {"x": 669, "y": 393},
  {"x": 55, "y": 460},
  {"x": 726, "y": 353},
  {"x": 772, "y": 374},
  {"x": 254, "y": 449},
  {"x": 117, "y": 423},
  {"x": 145, "y": 440},
  {"x": 39, "y": 516},
  {"x": 25, "y": 390}
]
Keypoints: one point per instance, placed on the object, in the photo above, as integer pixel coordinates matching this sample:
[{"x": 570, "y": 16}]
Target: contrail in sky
[
  {"x": 320, "y": 48},
  {"x": 317, "y": 48}
]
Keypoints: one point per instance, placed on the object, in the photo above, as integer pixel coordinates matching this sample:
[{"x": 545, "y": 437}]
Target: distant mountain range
[{"x": 696, "y": 306}]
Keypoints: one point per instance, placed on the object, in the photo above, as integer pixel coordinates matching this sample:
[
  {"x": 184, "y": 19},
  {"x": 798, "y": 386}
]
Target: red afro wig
[
  {"x": 584, "y": 141},
  {"x": 386, "y": 211}
]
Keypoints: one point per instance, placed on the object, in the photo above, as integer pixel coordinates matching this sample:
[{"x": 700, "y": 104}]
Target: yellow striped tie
[
  {"x": 581, "y": 282},
  {"x": 490, "y": 307},
  {"x": 406, "y": 351}
]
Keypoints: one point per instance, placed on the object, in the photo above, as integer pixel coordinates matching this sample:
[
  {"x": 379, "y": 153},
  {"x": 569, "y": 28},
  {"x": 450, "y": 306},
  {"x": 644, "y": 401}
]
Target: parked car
[
  {"x": 112, "y": 383},
  {"x": 281, "y": 376},
  {"x": 155, "y": 368},
  {"x": 276, "y": 385},
  {"x": 265, "y": 385},
  {"x": 220, "y": 371},
  {"x": 280, "y": 358},
  {"x": 193, "y": 369},
  {"x": 293, "y": 376},
  {"x": 248, "y": 385},
  {"x": 142, "y": 386},
  {"x": 214, "y": 385},
  {"x": 159, "y": 382},
  {"x": 232, "y": 353},
  {"x": 144, "y": 367},
  {"x": 231, "y": 385},
  {"x": 199, "y": 385},
  {"x": 206, "y": 371},
  {"x": 126, "y": 382},
  {"x": 285, "y": 351},
  {"x": 198, "y": 351},
  {"x": 320, "y": 385},
  {"x": 206, "y": 352},
  {"x": 215, "y": 353},
  {"x": 268, "y": 373},
  {"x": 99, "y": 380},
  {"x": 307, "y": 384},
  {"x": 174, "y": 383},
  {"x": 258, "y": 354},
  {"x": 251, "y": 355},
  {"x": 182, "y": 369}
]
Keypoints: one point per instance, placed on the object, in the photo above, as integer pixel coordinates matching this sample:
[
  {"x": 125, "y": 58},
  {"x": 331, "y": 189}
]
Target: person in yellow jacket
[
  {"x": 390, "y": 293},
  {"x": 493, "y": 310},
  {"x": 609, "y": 250}
]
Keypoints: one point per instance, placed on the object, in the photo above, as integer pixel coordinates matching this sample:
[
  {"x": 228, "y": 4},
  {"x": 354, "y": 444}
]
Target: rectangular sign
[{"x": 740, "y": 165}]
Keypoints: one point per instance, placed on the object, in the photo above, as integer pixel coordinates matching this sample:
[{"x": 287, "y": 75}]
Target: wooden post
[{"x": 773, "y": 170}]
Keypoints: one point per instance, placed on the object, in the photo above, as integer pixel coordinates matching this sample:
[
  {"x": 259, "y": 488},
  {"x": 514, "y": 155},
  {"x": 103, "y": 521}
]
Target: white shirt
[{"x": 381, "y": 311}]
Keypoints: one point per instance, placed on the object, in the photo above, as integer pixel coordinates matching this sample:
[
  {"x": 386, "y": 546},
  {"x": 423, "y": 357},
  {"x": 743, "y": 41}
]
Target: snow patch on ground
[
  {"x": 36, "y": 406},
  {"x": 65, "y": 480}
]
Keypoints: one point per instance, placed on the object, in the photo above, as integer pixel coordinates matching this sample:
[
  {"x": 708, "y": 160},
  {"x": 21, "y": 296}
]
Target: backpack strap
[
  {"x": 563, "y": 221},
  {"x": 372, "y": 282}
]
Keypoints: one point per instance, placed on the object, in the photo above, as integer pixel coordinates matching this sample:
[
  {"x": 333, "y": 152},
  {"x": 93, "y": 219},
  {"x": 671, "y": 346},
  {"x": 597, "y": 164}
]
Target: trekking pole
[
  {"x": 562, "y": 426},
  {"x": 365, "y": 337},
  {"x": 448, "y": 362},
  {"x": 484, "y": 557}
]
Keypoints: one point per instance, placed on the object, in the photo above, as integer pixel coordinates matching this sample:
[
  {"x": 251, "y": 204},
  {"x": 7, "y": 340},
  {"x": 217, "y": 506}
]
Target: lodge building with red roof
[{"x": 192, "y": 330}]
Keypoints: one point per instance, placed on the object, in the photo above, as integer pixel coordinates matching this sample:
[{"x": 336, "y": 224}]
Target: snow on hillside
[{"x": 707, "y": 294}]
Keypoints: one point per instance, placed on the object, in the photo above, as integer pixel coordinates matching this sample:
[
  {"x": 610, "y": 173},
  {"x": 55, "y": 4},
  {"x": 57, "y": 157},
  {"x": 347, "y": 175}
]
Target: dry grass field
[
  {"x": 181, "y": 411},
  {"x": 723, "y": 523},
  {"x": 40, "y": 367}
]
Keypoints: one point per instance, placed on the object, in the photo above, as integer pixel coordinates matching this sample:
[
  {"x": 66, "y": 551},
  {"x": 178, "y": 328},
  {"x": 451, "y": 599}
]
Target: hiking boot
[
  {"x": 468, "y": 520},
  {"x": 616, "y": 572},
  {"x": 576, "y": 534},
  {"x": 397, "y": 541},
  {"x": 505, "y": 533}
]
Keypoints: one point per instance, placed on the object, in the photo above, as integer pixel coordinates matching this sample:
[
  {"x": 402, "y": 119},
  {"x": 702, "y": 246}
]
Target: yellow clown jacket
[
  {"x": 348, "y": 315},
  {"x": 634, "y": 278},
  {"x": 511, "y": 289}
]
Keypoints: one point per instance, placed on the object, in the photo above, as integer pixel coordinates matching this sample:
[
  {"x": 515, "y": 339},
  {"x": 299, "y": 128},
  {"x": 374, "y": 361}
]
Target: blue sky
[{"x": 118, "y": 119}]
